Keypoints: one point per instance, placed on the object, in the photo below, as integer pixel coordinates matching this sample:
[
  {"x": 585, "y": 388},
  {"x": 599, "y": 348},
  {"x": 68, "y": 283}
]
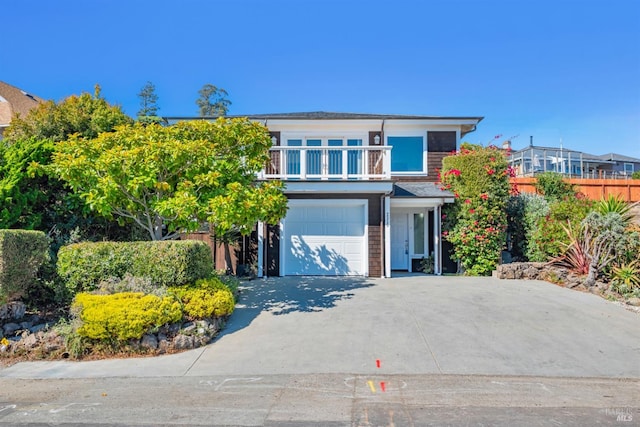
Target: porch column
[
  {"x": 260, "y": 249},
  {"x": 387, "y": 236},
  {"x": 437, "y": 231}
]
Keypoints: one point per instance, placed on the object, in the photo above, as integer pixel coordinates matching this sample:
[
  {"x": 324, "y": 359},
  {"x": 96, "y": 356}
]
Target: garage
[{"x": 325, "y": 238}]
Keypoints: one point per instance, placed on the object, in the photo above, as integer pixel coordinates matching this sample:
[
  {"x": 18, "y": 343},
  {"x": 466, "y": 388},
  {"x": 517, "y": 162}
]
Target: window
[
  {"x": 407, "y": 154},
  {"x": 293, "y": 157},
  {"x": 628, "y": 168},
  {"x": 418, "y": 234},
  {"x": 314, "y": 157},
  {"x": 441, "y": 142},
  {"x": 354, "y": 157}
]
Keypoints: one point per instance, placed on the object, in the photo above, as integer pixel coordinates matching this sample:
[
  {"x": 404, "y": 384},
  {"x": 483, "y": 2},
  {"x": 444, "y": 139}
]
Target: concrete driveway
[{"x": 411, "y": 325}]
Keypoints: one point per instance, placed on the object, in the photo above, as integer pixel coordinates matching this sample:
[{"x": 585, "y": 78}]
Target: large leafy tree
[
  {"x": 32, "y": 199},
  {"x": 170, "y": 179},
  {"x": 213, "y": 101}
]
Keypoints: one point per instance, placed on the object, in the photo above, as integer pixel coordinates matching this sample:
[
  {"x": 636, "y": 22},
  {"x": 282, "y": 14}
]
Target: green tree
[
  {"x": 148, "y": 112},
  {"x": 32, "y": 199},
  {"x": 476, "y": 223},
  {"x": 553, "y": 186},
  {"x": 213, "y": 101},
  {"x": 170, "y": 179}
]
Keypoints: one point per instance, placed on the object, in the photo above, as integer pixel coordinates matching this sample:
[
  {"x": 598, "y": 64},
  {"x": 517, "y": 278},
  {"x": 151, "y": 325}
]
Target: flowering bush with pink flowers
[{"x": 476, "y": 223}]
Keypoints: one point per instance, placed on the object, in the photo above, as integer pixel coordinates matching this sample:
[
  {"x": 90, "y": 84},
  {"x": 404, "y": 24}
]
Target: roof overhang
[
  {"x": 354, "y": 187},
  {"x": 419, "y": 202}
]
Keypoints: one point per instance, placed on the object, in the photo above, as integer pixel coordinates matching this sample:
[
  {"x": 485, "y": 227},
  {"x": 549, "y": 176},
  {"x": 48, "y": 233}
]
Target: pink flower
[
  {"x": 472, "y": 211},
  {"x": 490, "y": 171},
  {"x": 484, "y": 196},
  {"x": 468, "y": 201}
]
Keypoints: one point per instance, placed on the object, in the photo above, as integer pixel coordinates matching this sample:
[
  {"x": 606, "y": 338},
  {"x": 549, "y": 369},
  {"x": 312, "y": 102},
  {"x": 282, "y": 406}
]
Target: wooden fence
[{"x": 594, "y": 189}]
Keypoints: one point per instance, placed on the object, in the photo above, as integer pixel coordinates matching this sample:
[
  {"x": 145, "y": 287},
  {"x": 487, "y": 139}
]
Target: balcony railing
[{"x": 328, "y": 163}]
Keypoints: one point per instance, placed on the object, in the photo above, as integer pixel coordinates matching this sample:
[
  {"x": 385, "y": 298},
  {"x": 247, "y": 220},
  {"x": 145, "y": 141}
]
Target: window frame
[
  {"x": 624, "y": 168},
  {"x": 425, "y": 166}
]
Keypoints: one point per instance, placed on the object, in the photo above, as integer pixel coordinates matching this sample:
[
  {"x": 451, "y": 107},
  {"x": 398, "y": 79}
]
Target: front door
[{"x": 400, "y": 241}]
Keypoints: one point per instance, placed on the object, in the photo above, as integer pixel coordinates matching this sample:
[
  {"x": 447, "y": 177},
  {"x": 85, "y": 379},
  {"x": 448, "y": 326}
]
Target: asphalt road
[{"x": 410, "y": 351}]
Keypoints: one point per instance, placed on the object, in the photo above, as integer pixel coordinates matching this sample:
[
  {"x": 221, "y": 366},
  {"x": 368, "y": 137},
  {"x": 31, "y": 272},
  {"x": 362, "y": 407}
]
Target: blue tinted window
[{"x": 407, "y": 153}]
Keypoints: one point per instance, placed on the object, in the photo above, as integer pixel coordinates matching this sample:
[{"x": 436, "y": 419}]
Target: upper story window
[
  {"x": 407, "y": 154},
  {"x": 628, "y": 168},
  {"x": 441, "y": 141},
  {"x": 330, "y": 160}
]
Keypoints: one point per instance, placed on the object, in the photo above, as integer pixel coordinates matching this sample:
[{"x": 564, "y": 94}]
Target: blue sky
[{"x": 559, "y": 70}]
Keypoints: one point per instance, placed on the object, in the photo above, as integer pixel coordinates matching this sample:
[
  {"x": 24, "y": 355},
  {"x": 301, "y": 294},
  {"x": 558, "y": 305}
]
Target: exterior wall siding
[{"x": 434, "y": 164}]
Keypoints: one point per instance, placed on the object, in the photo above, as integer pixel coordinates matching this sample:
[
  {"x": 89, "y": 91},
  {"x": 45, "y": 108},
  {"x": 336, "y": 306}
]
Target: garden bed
[{"x": 563, "y": 277}]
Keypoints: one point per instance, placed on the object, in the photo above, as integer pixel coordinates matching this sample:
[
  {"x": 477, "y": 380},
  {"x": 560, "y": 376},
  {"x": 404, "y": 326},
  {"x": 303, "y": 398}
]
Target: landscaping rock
[
  {"x": 634, "y": 301},
  {"x": 149, "y": 341},
  {"x": 26, "y": 325},
  {"x": 183, "y": 342},
  {"x": 189, "y": 327},
  {"x": 12, "y": 310},
  {"x": 30, "y": 341},
  {"x": 10, "y": 328},
  {"x": 38, "y": 328}
]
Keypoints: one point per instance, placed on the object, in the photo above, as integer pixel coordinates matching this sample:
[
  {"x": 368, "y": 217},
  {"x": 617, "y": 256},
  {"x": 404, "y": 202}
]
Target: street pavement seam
[{"x": 424, "y": 337}]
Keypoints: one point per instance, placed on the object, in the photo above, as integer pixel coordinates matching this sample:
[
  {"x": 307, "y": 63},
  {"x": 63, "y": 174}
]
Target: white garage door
[{"x": 325, "y": 238}]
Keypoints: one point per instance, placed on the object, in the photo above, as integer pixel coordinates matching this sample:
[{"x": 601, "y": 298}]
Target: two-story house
[{"x": 363, "y": 192}]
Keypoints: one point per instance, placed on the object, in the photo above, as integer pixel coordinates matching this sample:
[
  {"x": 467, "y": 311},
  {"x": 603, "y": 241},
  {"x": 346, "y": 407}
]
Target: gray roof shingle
[{"x": 419, "y": 189}]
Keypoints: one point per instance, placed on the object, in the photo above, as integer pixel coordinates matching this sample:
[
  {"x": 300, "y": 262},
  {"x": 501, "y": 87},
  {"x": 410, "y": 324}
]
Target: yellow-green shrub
[
  {"x": 205, "y": 298},
  {"x": 124, "y": 315}
]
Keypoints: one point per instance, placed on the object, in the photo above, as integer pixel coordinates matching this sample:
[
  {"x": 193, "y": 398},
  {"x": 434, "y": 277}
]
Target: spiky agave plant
[
  {"x": 626, "y": 277},
  {"x": 615, "y": 203}
]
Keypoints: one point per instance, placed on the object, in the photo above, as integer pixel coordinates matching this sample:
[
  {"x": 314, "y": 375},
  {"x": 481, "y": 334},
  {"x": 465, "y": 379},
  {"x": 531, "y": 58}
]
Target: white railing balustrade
[{"x": 328, "y": 163}]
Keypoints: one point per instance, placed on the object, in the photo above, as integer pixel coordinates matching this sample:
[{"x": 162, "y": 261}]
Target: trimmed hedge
[
  {"x": 123, "y": 316},
  {"x": 22, "y": 253},
  {"x": 166, "y": 263}
]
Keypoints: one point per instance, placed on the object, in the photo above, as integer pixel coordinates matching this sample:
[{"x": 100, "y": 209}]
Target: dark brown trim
[
  {"x": 372, "y": 138},
  {"x": 277, "y": 135}
]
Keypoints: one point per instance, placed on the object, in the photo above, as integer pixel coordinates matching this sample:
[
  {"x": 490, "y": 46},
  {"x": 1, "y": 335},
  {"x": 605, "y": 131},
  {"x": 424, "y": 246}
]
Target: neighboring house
[
  {"x": 362, "y": 189},
  {"x": 14, "y": 101},
  {"x": 574, "y": 164}
]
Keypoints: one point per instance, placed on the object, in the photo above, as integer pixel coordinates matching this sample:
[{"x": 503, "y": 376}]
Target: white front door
[{"x": 400, "y": 241}]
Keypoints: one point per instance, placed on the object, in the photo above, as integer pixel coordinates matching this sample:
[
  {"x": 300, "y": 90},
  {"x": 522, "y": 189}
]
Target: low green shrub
[
  {"x": 123, "y": 316},
  {"x": 232, "y": 282},
  {"x": 553, "y": 186},
  {"x": 549, "y": 237},
  {"x": 22, "y": 253},
  {"x": 168, "y": 263},
  {"x": 205, "y": 298}
]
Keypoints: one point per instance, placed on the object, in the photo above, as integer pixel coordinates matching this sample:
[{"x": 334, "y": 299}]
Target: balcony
[{"x": 320, "y": 163}]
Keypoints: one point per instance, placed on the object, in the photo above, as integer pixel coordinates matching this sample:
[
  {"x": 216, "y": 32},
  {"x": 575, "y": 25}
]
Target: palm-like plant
[{"x": 617, "y": 204}]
